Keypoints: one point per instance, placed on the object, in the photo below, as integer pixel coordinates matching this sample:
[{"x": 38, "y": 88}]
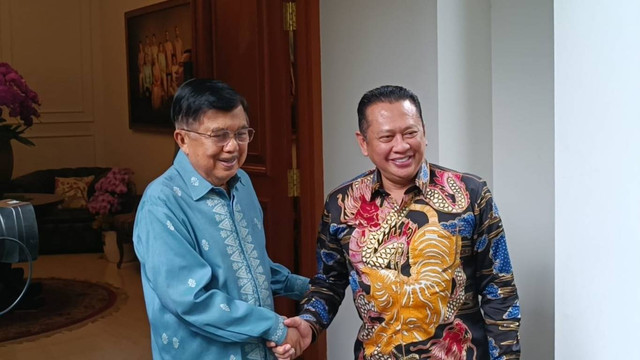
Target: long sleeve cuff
[
  {"x": 278, "y": 332},
  {"x": 315, "y": 328}
]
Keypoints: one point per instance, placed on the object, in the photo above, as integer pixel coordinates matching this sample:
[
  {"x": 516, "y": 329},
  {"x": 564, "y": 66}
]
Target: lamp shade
[{"x": 17, "y": 225}]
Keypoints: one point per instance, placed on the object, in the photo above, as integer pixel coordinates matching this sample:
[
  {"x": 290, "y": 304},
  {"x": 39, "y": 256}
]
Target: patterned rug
[{"x": 68, "y": 304}]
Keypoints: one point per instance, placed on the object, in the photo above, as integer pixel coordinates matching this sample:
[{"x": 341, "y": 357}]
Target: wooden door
[{"x": 243, "y": 43}]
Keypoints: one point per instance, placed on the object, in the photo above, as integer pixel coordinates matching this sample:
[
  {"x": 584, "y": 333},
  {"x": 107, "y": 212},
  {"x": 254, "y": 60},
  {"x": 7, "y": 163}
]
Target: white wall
[
  {"x": 365, "y": 44},
  {"x": 464, "y": 86},
  {"x": 523, "y": 150},
  {"x": 597, "y": 123}
]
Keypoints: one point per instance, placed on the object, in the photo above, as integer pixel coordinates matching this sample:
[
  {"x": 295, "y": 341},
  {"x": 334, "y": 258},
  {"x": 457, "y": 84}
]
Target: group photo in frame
[{"x": 159, "y": 46}]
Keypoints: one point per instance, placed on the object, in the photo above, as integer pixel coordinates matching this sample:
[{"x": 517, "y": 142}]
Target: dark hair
[
  {"x": 387, "y": 94},
  {"x": 197, "y": 96}
]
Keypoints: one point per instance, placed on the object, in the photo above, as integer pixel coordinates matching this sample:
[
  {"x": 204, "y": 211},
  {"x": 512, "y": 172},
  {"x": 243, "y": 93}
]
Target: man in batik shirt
[{"x": 421, "y": 246}]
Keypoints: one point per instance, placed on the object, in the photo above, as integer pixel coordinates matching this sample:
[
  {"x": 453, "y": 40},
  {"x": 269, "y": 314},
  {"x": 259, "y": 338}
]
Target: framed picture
[{"x": 159, "y": 41}]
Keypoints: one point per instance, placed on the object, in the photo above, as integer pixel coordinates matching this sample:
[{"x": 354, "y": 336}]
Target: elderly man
[
  {"x": 421, "y": 246},
  {"x": 208, "y": 282}
]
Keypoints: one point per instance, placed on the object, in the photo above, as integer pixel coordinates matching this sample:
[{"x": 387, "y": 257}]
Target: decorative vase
[{"x": 6, "y": 166}]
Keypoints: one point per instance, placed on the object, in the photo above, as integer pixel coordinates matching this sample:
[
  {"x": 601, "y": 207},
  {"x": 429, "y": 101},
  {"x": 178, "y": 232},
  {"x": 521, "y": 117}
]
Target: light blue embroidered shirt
[{"x": 207, "y": 279}]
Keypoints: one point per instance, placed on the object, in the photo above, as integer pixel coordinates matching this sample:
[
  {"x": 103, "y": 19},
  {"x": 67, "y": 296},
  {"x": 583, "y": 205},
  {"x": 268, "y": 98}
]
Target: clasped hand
[{"x": 298, "y": 339}]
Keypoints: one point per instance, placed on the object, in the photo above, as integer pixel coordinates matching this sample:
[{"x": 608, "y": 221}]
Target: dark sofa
[{"x": 64, "y": 231}]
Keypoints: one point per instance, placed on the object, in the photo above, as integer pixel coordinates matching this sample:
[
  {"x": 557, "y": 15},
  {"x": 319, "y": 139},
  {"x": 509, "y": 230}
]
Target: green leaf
[{"x": 24, "y": 140}]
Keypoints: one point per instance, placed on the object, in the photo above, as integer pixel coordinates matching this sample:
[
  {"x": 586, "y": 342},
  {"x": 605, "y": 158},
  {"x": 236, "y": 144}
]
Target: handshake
[{"x": 298, "y": 338}]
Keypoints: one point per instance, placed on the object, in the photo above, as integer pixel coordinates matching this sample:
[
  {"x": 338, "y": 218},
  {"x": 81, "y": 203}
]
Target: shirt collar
[
  {"x": 421, "y": 182},
  {"x": 198, "y": 186}
]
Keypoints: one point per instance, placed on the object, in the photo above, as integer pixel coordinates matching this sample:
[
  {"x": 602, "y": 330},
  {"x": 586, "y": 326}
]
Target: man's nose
[
  {"x": 399, "y": 143},
  {"x": 232, "y": 145}
]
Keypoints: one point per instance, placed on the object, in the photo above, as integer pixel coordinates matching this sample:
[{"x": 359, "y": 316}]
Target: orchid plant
[
  {"x": 109, "y": 197},
  {"x": 18, "y": 105}
]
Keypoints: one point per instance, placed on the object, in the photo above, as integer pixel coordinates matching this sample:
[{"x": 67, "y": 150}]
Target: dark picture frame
[{"x": 159, "y": 47}]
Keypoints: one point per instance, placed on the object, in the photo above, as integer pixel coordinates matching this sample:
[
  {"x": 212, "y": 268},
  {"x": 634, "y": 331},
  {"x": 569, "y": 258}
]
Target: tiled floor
[{"x": 123, "y": 335}]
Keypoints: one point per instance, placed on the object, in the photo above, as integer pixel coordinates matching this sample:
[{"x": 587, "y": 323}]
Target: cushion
[{"x": 73, "y": 190}]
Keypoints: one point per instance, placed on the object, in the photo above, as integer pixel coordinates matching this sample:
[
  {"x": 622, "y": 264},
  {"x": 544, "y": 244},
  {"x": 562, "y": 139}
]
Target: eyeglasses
[{"x": 222, "y": 137}]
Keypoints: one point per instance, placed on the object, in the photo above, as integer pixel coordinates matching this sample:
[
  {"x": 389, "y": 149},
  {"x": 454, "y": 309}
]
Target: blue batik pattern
[
  {"x": 482, "y": 243},
  {"x": 328, "y": 257},
  {"x": 462, "y": 225},
  {"x": 494, "y": 350},
  {"x": 353, "y": 281},
  {"x": 513, "y": 312},
  {"x": 320, "y": 308},
  {"x": 500, "y": 256},
  {"x": 338, "y": 230},
  {"x": 492, "y": 292},
  {"x": 496, "y": 213}
]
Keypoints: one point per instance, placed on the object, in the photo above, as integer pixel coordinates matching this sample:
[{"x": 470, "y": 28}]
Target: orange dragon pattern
[{"x": 411, "y": 269}]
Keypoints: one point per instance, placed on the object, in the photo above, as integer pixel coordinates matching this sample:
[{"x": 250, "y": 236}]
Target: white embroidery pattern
[
  {"x": 165, "y": 338},
  {"x": 279, "y": 331},
  {"x": 191, "y": 283},
  {"x": 240, "y": 265},
  {"x": 176, "y": 343},
  {"x": 232, "y": 357},
  {"x": 256, "y": 267},
  {"x": 225, "y": 307},
  {"x": 170, "y": 225},
  {"x": 258, "y": 224},
  {"x": 177, "y": 191},
  {"x": 205, "y": 245},
  {"x": 194, "y": 181}
]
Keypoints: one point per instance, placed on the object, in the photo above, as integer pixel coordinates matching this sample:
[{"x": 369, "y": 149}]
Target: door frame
[
  {"x": 310, "y": 159},
  {"x": 309, "y": 115}
]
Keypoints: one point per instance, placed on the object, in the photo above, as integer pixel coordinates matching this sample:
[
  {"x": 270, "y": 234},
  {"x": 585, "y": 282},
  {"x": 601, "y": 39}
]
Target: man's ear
[
  {"x": 362, "y": 142},
  {"x": 181, "y": 140}
]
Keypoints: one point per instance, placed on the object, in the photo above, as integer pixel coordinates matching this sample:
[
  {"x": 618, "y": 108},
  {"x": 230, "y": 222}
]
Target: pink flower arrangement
[
  {"x": 21, "y": 103},
  {"x": 109, "y": 196}
]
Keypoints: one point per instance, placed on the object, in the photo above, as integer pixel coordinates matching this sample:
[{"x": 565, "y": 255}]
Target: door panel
[{"x": 241, "y": 59}]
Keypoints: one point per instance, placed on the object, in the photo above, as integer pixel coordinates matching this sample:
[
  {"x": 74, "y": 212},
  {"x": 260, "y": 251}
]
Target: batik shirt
[
  {"x": 207, "y": 279},
  {"x": 422, "y": 272}
]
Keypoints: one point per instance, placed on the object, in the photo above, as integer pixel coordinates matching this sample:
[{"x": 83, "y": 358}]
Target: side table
[{"x": 123, "y": 224}]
